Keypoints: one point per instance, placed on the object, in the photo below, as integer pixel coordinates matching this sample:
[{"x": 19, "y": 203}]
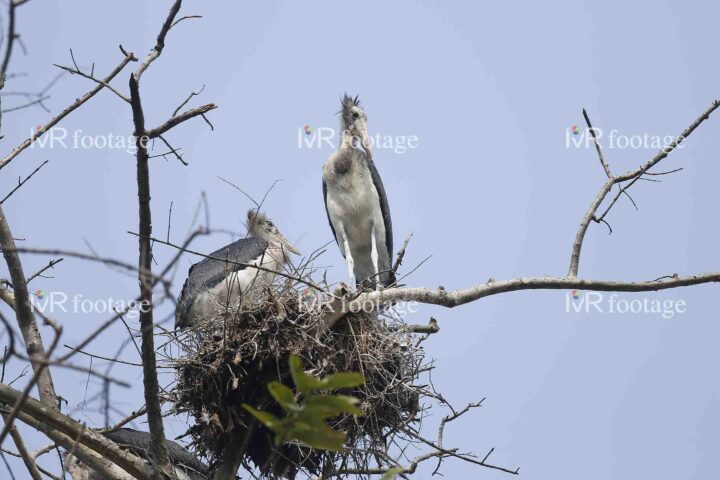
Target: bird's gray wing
[
  {"x": 139, "y": 444},
  {"x": 342, "y": 251},
  {"x": 211, "y": 271},
  {"x": 384, "y": 207},
  {"x": 385, "y": 210}
]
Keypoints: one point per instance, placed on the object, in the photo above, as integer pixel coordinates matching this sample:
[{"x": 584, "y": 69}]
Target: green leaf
[
  {"x": 392, "y": 473},
  {"x": 342, "y": 380},
  {"x": 304, "y": 382},
  {"x": 317, "y": 435},
  {"x": 283, "y": 395},
  {"x": 308, "y": 384},
  {"x": 266, "y": 418},
  {"x": 329, "y": 406},
  {"x": 305, "y": 421}
]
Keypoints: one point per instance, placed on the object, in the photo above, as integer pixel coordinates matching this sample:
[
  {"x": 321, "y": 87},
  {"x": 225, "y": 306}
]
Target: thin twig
[
  {"x": 129, "y": 57},
  {"x": 39, "y": 273},
  {"x": 21, "y": 183},
  {"x": 178, "y": 119},
  {"x": 631, "y": 176},
  {"x": 192, "y": 94}
]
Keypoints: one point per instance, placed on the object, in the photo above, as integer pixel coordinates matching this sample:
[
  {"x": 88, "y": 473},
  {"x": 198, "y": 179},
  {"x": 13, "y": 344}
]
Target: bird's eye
[
  {"x": 270, "y": 224},
  {"x": 356, "y": 114}
]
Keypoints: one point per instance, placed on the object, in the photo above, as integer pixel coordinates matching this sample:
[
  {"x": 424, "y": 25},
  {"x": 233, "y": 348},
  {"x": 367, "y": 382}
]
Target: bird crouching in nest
[{"x": 225, "y": 277}]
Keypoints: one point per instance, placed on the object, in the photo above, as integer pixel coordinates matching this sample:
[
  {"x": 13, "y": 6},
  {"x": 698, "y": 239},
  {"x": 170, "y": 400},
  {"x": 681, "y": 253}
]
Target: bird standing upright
[
  {"x": 356, "y": 204},
  {"x": 228, "y": 274}
]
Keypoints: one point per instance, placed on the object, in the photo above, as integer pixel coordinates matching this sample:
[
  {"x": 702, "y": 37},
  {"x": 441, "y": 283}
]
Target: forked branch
[{"x": 631, "y": 176}]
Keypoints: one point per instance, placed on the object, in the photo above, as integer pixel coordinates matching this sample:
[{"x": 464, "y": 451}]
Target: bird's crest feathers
[
  {"x": 255, "y": 222},
  {"x": 348, "y": 103}
]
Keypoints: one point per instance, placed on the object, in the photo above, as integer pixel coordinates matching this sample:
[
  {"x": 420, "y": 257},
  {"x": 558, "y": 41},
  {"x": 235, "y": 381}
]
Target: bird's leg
[
  {"x": 348, "y": 257},
  {"x": 374, "y": 255},
  {"x": 350, "y": 264}
]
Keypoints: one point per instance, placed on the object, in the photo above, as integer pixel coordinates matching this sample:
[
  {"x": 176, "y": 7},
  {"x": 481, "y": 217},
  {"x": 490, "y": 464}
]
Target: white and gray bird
[
  {"x": 185, "y": 464},
  {"x": 225, "y": 276},
  {"x": 356, "y": 204}
]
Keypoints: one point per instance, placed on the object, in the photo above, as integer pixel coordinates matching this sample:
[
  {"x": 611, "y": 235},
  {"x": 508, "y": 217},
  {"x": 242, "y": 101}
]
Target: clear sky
[{"x": 492, "y": 189}]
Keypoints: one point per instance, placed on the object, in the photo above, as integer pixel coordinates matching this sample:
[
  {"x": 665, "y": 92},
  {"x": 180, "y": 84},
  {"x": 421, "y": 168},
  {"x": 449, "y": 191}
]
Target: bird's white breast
[
  {"x": 352, "y": 201},
  {"x": 236, "y": 285}
]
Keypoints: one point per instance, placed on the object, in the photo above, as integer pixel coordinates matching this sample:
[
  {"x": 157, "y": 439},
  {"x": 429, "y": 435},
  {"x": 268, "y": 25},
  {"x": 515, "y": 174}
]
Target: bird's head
[
  {"x": 262, "y": 227},
  {"x": 354, "y": 122}
]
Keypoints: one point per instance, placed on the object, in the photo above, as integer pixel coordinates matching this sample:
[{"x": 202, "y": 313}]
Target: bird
[
  {"x": 226, "y": 275},
  {"x": 185, "y": 464},
  {"x": 356, "y": 203}
]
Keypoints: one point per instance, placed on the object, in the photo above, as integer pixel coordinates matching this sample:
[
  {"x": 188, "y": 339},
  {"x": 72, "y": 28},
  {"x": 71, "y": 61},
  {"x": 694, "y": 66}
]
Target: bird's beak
[
  {"x": 287, "y": 246},
  {"x": 365, "y": 142}
]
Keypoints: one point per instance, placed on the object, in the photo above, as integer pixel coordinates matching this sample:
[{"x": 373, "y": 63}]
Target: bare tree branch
[
  {"x": 136, "y": 414},
  {"x": 37, "y": 101},
  {"x": 160, "y": 43},
  {"x": 22, "y": 182},
  {"x": 150, "y": 379},
  {"x": 55, "y": 420},
  {"x": 27, "y": 459},
  {"x": 429, "y": 329},
  {"x": 25, "y": 317},
  {"x": 460, "y": 297},
  {"x": 437, "y": 451},
  {"x": 37, "y": 374},
  {"x": 192, "y": 94},
  {"x": 110, "y": 262},
  {"x": 104, "y": 83},
  {"x": 11, "y": 37},
  {"x": 178, "y": 119},
  {"x": 113, "y": 462},
  {"x": 631, "y": 176},
  {"x": 401, "y": 254},
  {"x": 598, "y": 148},
  {"x": 39, "y": 273},
  {"x": 129, "y": 57}
]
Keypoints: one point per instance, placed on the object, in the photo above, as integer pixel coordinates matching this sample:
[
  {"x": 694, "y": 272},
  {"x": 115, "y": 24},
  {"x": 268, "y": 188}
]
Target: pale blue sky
[{"x": 490, "y": 90}]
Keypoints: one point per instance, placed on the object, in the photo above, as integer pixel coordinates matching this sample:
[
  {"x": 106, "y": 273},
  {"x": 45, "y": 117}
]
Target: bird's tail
[{"x": 389, "y": 278}]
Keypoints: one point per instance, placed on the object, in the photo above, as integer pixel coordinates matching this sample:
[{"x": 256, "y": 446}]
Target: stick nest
[{"x": 229, "y": 358}]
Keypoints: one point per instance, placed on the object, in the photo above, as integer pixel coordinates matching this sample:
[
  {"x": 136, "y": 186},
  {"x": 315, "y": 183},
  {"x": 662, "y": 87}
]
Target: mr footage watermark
[
  {"x": 308, "y": 137},
  {"x": 577, "y": 137},
  {"x": 51, "y": 303},
  {"x": 55, "y": 302},
  {"x": 578, "y": 301},
  {"x": 59, "y": 137},
  {"x": 328, "y": 137}
]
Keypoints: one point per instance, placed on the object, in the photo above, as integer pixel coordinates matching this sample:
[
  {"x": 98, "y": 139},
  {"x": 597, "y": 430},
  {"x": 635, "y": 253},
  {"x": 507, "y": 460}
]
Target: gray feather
[
  {"x": 384, "y": 207},
  {"x": 139, "y": 444},
  {"x": 330, "y": 219},
  {"x": 211, "y": 271}
]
